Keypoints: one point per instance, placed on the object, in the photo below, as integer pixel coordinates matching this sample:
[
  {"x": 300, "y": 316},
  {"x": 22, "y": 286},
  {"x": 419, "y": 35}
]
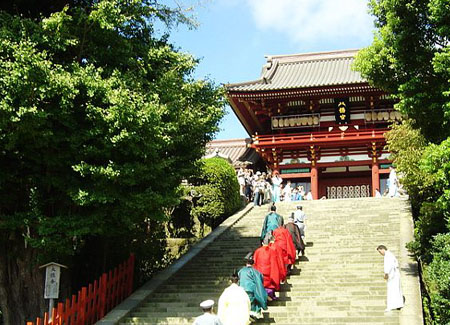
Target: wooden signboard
[{"x": 342, "y": 110}]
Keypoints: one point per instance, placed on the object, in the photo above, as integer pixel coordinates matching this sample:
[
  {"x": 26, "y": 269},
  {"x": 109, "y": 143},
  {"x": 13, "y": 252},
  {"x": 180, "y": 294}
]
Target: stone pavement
[{"x": 340, "y": 281}]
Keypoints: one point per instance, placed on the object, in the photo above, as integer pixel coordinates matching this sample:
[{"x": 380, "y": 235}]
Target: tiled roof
[
  {"x": 236, "y": 150},
  {"x": 304, "y": 71}
]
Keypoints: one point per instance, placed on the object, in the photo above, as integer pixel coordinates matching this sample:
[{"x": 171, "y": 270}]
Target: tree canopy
[
  {"x": 410, "y": 59},
  {"x": 100, "y": 120}
]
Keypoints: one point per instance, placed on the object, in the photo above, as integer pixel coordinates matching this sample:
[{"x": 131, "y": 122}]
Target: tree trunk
[{"x": 21, "y": 282}]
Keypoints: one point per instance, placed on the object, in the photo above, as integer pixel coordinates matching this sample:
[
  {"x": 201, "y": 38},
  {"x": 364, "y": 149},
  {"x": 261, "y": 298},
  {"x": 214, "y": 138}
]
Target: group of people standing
[
  {"x": 265, "y": 187},
  {"x": 254, "y": 285},
  {"x": 393, "y": 186}
]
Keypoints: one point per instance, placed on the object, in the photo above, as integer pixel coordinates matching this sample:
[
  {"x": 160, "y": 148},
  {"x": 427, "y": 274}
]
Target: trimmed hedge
[{"x": 217, "y": 190}]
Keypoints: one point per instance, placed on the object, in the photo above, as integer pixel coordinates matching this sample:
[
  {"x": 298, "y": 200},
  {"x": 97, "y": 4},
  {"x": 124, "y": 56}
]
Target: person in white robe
[
  {"x": 267, "y": 190},
  {"x": 287, "y": 192},
  {"x": 393, "y": 182},
  {"x": 392, "y": 275},
  {"x": 276, "y": 182},
  {"x": 234, "y": 304},
  {"x": 241, "y": 180}
]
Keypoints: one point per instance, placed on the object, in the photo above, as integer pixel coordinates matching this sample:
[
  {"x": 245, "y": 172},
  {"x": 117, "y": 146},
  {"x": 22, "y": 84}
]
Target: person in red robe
[
  {"x": 283, "y": 239},
  {"x": 268, "y": 263},
  {"x": 280, "y": 253}
]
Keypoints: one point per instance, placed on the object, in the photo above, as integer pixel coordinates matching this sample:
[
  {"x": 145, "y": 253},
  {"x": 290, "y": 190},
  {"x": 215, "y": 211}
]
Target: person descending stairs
[{"x": 339, "y": 280}]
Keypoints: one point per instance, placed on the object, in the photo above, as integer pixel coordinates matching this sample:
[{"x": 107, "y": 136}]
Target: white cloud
[{"x": 307, "y": 21}]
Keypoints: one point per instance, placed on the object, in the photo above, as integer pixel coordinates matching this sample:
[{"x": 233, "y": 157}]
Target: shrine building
[{"x": 318, "y": 123}]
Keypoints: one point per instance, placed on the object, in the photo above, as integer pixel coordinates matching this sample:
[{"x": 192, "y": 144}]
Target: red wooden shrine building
[{"x": 318, "y": 123}]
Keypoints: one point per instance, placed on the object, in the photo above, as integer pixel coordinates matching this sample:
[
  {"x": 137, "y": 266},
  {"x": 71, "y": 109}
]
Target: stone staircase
[{"x": 339, "y": 281}]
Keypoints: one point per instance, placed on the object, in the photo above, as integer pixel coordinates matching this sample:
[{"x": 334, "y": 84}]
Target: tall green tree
[
  {"x": 410, "y": 58},
  {"x": 100, "y": 120}
]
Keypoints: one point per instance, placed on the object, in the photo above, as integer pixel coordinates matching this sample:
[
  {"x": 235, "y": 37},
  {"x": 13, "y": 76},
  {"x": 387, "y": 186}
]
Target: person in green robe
[
  {"x": 271, "y": 222},
  {"x": 251, "y": 280}
]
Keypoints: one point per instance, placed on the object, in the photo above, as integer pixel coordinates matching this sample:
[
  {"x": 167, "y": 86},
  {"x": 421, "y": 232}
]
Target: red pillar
[
  {"x": 375, "y": 178},
  {"x": 314, "y": 182}
]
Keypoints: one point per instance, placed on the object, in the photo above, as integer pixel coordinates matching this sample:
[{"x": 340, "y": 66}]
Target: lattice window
[{"x": 344, "y": 192}]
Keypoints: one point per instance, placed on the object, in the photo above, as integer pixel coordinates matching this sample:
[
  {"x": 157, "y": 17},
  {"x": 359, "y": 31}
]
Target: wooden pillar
[
  {"x": 375, "y": 177},
  {"x": 375, "y": 168},
  {"x": 314, "y": 182},
  {"x": 314, "y": 172}
]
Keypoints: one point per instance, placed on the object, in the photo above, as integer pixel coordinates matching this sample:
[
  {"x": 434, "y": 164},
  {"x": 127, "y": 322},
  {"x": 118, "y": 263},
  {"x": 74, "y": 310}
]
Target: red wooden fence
[{"x": 94, "y": 301}]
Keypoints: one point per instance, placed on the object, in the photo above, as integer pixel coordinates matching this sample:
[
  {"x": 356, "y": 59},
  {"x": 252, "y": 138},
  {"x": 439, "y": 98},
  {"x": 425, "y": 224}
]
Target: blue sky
[{"x": 233, "y": 36}]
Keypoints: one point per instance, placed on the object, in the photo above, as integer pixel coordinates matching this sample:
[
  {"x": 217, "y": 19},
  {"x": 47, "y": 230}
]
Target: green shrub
[
  {"x": 216, "y": 192},
  {"x": 220, "y": 174},
  {"x": 437, "y": 276},
  {"x": 429, "y": 222}
]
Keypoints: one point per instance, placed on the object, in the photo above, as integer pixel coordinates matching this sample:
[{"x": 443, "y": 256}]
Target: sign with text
[
  {"x": 52, "y": 275},
  {"x": 342, "y": 110}
]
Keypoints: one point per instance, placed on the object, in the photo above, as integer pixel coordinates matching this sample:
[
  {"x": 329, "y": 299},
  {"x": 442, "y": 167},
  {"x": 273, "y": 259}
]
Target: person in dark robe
[
  {"x": 295, "y": 234},
  {"x": 267, "y": 262},
  {"x": 283, "y": 239},
  {"x": 271, "y": 222},
  {"x": 251, "y": 280}
]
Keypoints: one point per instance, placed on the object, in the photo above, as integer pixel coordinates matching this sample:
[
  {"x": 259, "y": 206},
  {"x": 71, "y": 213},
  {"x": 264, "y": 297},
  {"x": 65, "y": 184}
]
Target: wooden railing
[
  {"x": 318, "y": 138},
  {"x": 94, "y": 301}
]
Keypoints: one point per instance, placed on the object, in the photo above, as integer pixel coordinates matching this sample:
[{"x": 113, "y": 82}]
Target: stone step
[
  {"x": 289, "y": 306},
  {"x": 282, "y": 312},
  {"x": 376, "y": 318},
  {"x": 328, "y": 282},
  {"x": 339, "y": 281}
]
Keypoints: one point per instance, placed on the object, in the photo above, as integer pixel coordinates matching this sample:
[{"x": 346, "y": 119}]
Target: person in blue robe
[
  {"x": 271, "y": 222},
  {"x": 251, "y": 280}
]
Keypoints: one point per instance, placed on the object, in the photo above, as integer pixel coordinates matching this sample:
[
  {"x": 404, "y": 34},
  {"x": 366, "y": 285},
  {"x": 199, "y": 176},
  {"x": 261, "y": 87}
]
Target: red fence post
[
  {"x": 53, "y": 316},
  {"x": 82, "y": 306},
  {"x": 114, "y": 285},
  {"x": 67, "y": 313},
  {"x": 120, "y": 283},
  {"x": 94, "y": 303},
  {"x": 110, "y": 291},
  {"x": 60, "y": 313},
  {"x": 74, "y": 310},
  {"x": 130, "y": 274},
  {"x": 88, "y": 304},
  {"x": 102, "y": 296}
]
